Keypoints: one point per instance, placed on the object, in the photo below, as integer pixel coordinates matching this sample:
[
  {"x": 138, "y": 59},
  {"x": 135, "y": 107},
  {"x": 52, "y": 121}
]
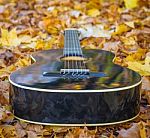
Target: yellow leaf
[
  {"x": 8, "y": 131},
  {"x": 9, "y": 38},
  {"x": 4, "y": 72},
  {"x": 143, "y": 69},
  {"x": 147, "y": 61},
  {"x": 4, "y": 39},
  {"x": 23, "y": 62},
  {"x": 30, "y": 45},
  {"x": 139, "y": 55},
  {"x": 130, "y": 24},
  {"x": 94, "y": 4},
  {"x": 40, "y": 44},
  {"x": 129, "y": 4},
  {"x": 129, "y": 58},
  {"x": 25, "y": 38},
  {"x": 52, "y": 25},
  {"x": 13, "y": 39},
  {"x": 142, "y": 129},
  {"x": 1, "y": 135},
  {"x": 93, "y": 12},
  {"x": 121, "y": 29},
  {"x": 50, "y": 43},
  {"x": 42, "y": 35},
  {"x": 128, "y": 40}
]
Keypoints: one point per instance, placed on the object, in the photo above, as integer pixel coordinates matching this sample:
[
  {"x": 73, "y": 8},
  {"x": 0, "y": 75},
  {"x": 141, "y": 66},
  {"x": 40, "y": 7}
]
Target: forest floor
[{"x": 122, "y": 27}]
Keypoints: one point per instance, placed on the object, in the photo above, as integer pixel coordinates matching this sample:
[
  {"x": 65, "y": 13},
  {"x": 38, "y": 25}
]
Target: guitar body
[{"x": 95, "y": 100}]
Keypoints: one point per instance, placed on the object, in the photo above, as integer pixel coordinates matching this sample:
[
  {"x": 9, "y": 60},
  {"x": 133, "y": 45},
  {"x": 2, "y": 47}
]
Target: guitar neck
[{"x": 72, "y": 44}]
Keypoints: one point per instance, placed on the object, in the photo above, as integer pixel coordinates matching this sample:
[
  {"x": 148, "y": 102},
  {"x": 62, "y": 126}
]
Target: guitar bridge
[{"x": 75, "y": 73}]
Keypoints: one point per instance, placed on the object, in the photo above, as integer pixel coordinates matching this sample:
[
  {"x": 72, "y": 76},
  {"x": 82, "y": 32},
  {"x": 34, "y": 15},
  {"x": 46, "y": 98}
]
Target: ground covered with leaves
[{"x": 122, "y": 27}]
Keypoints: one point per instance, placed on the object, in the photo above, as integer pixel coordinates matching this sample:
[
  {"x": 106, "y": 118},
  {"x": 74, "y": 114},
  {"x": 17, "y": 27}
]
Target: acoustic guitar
[{"x": 74, "y": 87}]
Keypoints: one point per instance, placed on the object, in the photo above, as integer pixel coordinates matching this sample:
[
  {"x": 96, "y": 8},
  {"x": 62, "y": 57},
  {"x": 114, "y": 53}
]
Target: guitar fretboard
[{"x": 72, "y": 44}]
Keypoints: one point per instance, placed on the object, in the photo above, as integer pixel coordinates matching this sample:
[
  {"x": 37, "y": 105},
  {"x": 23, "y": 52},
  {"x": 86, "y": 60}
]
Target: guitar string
[
  {"x": 77, "y": 63},
  {"x": 72, "y": 40},
  {"x": 64, "y": 51},
  {"x": 67, "y": 48},
  {"x": 71, "y": 51},
  {"x": 78, "y": 67},
  {"x": 76, "y": 54},
  {"x": 79, "y": 53},
  {"x": 83, "y": 62}
]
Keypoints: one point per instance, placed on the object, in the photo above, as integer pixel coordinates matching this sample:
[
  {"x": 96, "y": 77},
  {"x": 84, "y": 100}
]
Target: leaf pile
[{"x": 120, "y": 26}]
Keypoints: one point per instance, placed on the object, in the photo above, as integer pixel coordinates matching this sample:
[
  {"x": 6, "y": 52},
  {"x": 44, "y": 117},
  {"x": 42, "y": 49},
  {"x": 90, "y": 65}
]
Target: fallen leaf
[
  {"x": 8, "y": 131},
  {"x": 130, "y": 24},
  {"x": 7, "y": 57},
  {"x": 81, "y": 133},
  {"x": 139, "y": 55},
  {"x": 75, "y": 13},
  {"x": 9, "y": 38},
  {"x": 25, "y": 38},
  {"x": 94, "y": 4},
  {"x": 146, "y": 84},
  {"x": 121, "y": 29},
  {"x": 143, "y": 69},
  {"x": 111, "y": 46},
  {"x": 2, "y": 8},
  {"x": 21, "y": 132},
  {"x": 23, "y": 62},
  {"x": 4, "y": 92},
  {"x": 142, "y": 130},
  {"x": 93, "y": 12},
  {"x": 129, "y": 40},
  {"x": 94, "y": 31},
  {"x": 32, "y": 134},
  {"x": 132, "y": 132},
  {"x": 5, "y": 115},
  {"x": 129, "y": 4}
]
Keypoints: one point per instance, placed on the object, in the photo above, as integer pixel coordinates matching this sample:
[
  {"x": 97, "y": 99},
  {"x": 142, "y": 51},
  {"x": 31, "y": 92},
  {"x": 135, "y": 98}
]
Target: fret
[{"x": 72, "y": 44}]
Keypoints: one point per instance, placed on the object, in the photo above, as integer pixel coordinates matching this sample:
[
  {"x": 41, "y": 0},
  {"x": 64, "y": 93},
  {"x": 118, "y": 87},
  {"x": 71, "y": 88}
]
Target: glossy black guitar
[{"x": 74, "y": 87}]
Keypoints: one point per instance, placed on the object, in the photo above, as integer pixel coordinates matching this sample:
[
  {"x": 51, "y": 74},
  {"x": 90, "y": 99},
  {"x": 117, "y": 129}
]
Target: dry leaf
[
  {"x": 111, "y": 46},
  {"x": 5, "y": 115},
  {"x": 4, "y": 92},
  {"x": 21, "y": 132},
  {"x": 25, "y": 38},
  {"x": 128, "y": 40},
  {"x": 121, "y": 29},
  {"x": 93, "y": 12},
  {"x": 9, "y": 38},
  {"x": 94, "y": 31},
  {"x": 129, "y": 4},
  {"x": 8, "y": 131},
  {"x": 132, "y": 132},
  {"x": 143, "y": 69},
  {"x": 2, "y": 8},
  {"x": 142, "y": 130},
  {"x": 130, "y": 24}
]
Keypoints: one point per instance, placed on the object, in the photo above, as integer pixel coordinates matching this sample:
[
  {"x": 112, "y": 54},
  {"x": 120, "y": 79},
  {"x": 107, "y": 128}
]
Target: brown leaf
[
  {"x": 8, "y": 57},
  {"x": 8, "y": 131},
  {"x": 132, "y": 132},
  {"x": 4, "y": 92},
  {"x": 81, "y": 133},
  {"x": 21, "y": 132}
]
